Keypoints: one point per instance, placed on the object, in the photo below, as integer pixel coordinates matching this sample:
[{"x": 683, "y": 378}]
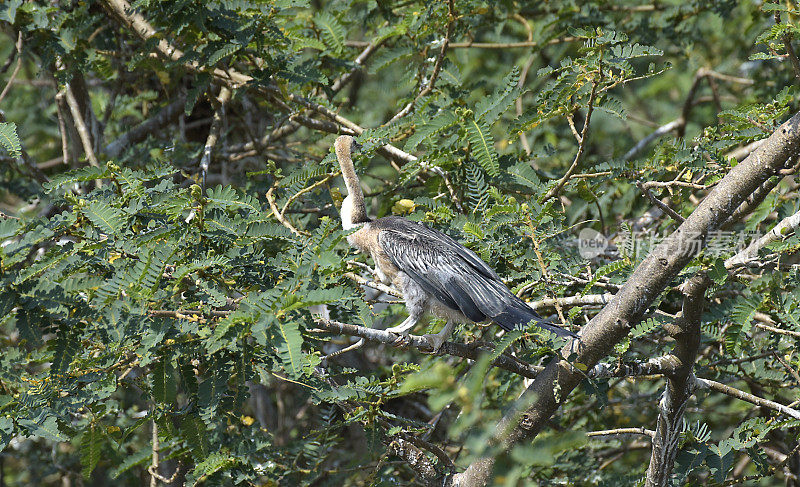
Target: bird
[{"x": 435, "y": 274}]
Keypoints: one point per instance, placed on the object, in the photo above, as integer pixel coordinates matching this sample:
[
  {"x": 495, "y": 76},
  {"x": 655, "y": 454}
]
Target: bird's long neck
[{"x": 354, "y": 212}]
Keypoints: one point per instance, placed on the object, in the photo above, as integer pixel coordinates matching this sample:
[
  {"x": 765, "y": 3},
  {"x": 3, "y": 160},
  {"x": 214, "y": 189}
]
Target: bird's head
[{"x": 344, "y": 146}]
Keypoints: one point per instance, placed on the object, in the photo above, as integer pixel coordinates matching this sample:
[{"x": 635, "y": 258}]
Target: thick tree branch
[
  {"x": 80, "y": 125},
  {"x": 649, "y": 279},
  {"x": 680, "y": 383}
]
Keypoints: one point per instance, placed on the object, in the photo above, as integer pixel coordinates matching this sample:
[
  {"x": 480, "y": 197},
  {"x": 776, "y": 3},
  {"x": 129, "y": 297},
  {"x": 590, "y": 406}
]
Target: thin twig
[
  {"x": 306, "y": 190},
  {"x": 437, "y": 66},
  {"x": 675, "y": 182},
  {"x": 642, "y": 431},
  {"x": 581, "y": 147},
  {"x": 746, "y": 396},
  {"x": 487, "y": 45},
  {"x": 420, "y": 343},
  {"x": 787, "y": 43},
  {"x": 373, "y": 284},
  {"x": 664, "y": 129},
  {"x": 154, "y": 463},
  {"x": 16, "y": 68},
  {"x": 675, "y": 216},
  {"x": 62, "y": 126},
  {"x": 278, "y": 215}
]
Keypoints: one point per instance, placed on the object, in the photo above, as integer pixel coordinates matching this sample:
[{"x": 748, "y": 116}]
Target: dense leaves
[{"x": 149, "y": 310}]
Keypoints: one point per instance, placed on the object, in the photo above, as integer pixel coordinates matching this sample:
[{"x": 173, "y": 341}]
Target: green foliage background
[{"x": 130, "y": 297}]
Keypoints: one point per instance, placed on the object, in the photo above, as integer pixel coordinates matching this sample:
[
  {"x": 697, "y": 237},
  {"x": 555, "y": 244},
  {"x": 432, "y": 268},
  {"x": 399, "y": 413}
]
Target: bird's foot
[
  {"x": 403, "y": 340},
  {"x": 436, "y": 340}
]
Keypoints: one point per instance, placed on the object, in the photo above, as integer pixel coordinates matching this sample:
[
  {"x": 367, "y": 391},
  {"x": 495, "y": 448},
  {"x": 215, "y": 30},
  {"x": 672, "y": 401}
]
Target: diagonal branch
[
  {"x": 472, "y": 352},
  {"x": 14, "y": 73},
  {"x": 80, "y": 125},
  {"x": 144, "y": 129},
  {"x": 647, "y": 282}
]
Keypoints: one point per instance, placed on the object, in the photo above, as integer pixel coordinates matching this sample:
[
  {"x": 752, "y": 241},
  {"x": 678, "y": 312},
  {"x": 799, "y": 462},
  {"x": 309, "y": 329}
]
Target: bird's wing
[{"x": 455, "y": 275}]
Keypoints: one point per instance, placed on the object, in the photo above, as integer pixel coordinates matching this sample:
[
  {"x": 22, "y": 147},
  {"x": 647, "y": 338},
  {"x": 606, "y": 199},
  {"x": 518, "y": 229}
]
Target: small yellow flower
[{"x": 403, "y": 206}]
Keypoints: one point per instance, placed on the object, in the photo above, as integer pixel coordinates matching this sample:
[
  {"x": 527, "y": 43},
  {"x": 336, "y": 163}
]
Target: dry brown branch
[{"x": 278, "y": 215}]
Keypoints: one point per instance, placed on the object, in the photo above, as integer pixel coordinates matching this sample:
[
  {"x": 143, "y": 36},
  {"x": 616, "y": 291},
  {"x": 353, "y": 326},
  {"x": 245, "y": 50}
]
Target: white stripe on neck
[{"x": 347, "y": 214}]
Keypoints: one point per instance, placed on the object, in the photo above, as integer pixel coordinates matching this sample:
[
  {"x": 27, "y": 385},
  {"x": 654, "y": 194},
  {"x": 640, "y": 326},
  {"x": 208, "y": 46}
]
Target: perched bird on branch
[{"x": 436, "y": 274}]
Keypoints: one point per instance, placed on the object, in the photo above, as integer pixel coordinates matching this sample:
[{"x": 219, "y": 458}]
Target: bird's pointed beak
[{"x": 355, "y": 146}]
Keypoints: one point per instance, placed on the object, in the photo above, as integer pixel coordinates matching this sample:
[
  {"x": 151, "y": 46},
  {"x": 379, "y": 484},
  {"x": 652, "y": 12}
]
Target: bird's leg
[
  {"x": 402, "y": 329},
  {"x": 406, "y": 325},
  {"x": 437, "y": 339}
]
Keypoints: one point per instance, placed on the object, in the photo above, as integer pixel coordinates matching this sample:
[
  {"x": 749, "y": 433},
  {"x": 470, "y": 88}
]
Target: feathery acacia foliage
[{"x": 162, "y": 323}]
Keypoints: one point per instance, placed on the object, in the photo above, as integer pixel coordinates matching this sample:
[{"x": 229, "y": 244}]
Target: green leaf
[
  {"x": 88, "y": 173},
  {"x": 47, "y": 428},
  {"x": 718, "y": 273},
  {"x": 212, "y": 464},
  {"x": 91, "y": 446},
  {"x": 440, "y": 122},
  {"x": 163, "y": 382},
  {"x": 289, "y": 347},
  {"x": 333, "y": 33},
  {"x": 225, "y": 197},
  {"x": 525, "y": 175},
  {"x": 105, "y": 217},
  {"x": 194, "y": 430},
  {"x": 6, "y": 431},
  {"x": 139, "y": 456},
  {"x": 9, "y": 140},
  {"x": 490, "y": 108},
  {"x": 482, "y": 146}
]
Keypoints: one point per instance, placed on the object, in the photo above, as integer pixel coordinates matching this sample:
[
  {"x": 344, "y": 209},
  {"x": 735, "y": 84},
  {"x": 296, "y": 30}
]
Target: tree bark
[
  {"x": 680, "y": 383},
  {"x": 652, "y": 276}
]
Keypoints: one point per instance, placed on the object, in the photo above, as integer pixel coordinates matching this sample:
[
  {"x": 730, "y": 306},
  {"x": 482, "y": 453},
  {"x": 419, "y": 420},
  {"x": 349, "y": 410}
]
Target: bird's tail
[{"x": 520, "y": 315}]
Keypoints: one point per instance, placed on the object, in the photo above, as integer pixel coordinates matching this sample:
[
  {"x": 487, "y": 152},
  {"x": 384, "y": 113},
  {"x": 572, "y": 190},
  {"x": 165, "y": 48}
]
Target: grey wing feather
[{"x": 453, "y": 274}]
